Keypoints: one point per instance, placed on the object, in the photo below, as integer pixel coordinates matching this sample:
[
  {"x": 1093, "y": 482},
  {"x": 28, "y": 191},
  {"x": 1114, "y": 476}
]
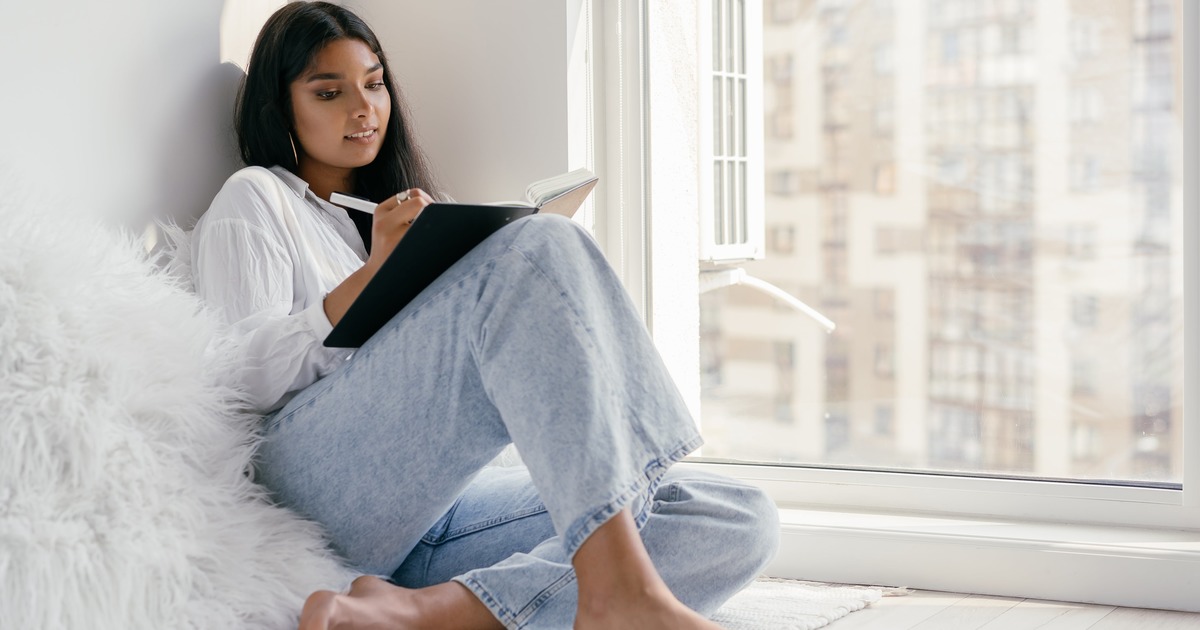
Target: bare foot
[
  {"x": 374, "y": 603},
  {"x": 371, "y": 603},
  {"x": 648, "y": 612}
]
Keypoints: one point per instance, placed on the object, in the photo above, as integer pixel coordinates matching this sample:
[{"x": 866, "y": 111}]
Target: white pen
[{"x": 350, "y": 201}]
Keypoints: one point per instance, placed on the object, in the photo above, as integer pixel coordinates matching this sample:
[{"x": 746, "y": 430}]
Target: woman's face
[{"x": 341, "y": 94}]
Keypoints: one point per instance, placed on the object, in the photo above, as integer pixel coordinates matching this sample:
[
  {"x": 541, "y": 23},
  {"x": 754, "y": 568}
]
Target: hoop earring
[{"x": 293, "y": 143}]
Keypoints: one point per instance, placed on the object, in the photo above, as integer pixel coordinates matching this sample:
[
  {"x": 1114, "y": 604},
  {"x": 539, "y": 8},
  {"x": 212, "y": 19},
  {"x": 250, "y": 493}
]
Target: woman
[{"x": 529, "y": 339}]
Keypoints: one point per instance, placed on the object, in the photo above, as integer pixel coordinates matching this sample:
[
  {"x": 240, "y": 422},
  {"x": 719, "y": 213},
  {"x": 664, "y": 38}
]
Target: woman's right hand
[{"x": 392, "y": 219}]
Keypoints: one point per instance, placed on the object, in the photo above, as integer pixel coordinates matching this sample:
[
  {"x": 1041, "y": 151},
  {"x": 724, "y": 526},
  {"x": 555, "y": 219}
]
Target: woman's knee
[
  {"x": 553, "y": 231},
  {"x": 762, "y": 523},
  {"x": 746, "y": 516}
]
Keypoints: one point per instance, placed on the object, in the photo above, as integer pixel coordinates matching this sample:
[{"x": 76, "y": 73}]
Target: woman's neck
[{"x": 324, "y": 180}]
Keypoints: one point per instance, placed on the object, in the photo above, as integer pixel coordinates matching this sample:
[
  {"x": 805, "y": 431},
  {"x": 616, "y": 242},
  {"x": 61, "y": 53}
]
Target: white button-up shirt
[{"x": 265, "y": 254}]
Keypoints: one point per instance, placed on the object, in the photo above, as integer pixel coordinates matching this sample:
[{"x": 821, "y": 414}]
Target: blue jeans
[{"x": 530, "y": 339}]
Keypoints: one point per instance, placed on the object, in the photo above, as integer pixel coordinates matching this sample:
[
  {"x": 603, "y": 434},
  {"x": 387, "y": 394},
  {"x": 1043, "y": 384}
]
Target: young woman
[{"x": 530, "y": 339}]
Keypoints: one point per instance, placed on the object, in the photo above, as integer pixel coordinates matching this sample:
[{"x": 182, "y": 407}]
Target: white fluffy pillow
[{"x": 123, "y": 496}]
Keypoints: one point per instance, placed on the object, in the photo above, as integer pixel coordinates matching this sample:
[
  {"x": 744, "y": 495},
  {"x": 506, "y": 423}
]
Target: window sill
[{"x": 1118, "y": 566}]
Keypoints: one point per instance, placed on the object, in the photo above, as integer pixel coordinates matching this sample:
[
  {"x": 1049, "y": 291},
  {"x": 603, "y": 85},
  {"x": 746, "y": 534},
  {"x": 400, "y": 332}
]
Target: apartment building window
[
  {"x": 1080, "y": 242},
  {"x": 881, "y": 116},
  {"x": 1086, "y": 37},
  {"x": 1085, "y": 173},
  {"x": 882, "y": 56},
  {"x": 1083, "y": 376},
  {"x": 1083, "y": 310},
  {"x": 885, "y": 361},
  {"x": 883, "y": 420},
  {"x": 950, "y": 46},
  {"x": 783, "y": 11},
  {"x": 1087, "y": 106},
  {"x": 783, "y": 182},
  {"x": 885, "y": 179},
  {"x": 781, "y": 240}
]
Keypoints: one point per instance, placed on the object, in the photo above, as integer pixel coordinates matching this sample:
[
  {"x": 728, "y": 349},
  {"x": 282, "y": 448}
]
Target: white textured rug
[{"x": 772, "y": 604}]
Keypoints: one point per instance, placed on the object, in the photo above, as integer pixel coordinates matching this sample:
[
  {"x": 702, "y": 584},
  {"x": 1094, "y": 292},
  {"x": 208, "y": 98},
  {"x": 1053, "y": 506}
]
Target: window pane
[{"x": 991, "y": 221}]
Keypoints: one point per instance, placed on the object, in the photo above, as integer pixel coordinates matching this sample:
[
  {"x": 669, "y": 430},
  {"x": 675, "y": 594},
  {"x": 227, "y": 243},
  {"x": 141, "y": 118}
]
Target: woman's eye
[
  {"x": 375, "y": 86},
  {"x": 327, "y": 95}
]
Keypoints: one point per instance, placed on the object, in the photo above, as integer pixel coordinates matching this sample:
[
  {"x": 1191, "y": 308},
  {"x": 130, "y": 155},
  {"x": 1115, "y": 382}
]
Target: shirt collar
[{"x": 298, "y": 186}]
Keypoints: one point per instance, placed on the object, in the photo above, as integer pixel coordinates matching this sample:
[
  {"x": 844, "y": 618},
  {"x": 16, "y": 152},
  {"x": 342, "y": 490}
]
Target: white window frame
[{"x": 1132, "y": 546}]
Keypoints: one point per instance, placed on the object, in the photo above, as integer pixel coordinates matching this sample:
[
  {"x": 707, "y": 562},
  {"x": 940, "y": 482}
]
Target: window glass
[{"x": 988, "y": 210}]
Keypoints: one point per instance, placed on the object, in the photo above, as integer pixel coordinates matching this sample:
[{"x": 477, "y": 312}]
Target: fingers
[{"x": 403, "y": 208}]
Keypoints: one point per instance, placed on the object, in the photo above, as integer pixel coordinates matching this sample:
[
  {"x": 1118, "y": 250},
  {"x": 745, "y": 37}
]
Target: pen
[{"x": 354, "y": 202}]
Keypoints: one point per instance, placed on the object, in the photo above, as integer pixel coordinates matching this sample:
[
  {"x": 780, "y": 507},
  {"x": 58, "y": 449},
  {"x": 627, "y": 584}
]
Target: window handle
[{"x": 711, "y": 279}]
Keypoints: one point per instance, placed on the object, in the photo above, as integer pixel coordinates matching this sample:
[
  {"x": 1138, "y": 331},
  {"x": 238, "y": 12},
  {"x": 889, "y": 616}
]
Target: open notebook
[{"x": 442, "y": 234}]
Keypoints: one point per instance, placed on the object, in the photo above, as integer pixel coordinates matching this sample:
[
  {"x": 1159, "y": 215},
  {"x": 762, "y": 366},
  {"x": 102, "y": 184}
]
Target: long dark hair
[{"x": 286, "y": 47}]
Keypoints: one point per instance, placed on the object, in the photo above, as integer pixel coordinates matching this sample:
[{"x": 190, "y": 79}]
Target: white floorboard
[{"x": 933, "y": 610}]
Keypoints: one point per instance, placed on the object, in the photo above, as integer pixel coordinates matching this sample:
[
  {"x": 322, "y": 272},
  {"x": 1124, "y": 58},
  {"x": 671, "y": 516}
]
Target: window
[
  {"x": 781, "y": 240},
  {"x": 883, "y": 59},
  {"x": 1000, "y": 405},
  {"x": 1085, "y": 173},
  {"x": 883, "y": 420},
  {"x": 1080, "y": 242},
  {"x": 1083, "y": 310},
  {"x": 885, "y": 179},
  {"x": 784, "y": 11},
  {"x": 783, "y": 182},
  {"x": 1086, "y": 106},
  {"x": 958, "y": 330},
  {"x": 1083, "y": 376},
  {"x": 1085, "y": 37},
  {"x": 884, "y": 361}
]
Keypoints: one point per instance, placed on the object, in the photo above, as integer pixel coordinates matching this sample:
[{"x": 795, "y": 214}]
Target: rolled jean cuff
[
  {"x": 514, "y": 620},
  {"x": 636, "y": 496}
]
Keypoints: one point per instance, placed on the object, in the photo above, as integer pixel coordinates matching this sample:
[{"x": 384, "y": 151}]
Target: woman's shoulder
[
  {"x": 251, "y": 193},
  {"x": 254, "y": 180}
]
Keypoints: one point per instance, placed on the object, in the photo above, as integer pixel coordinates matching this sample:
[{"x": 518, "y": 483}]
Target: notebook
[{"x": 442, "y": 234}]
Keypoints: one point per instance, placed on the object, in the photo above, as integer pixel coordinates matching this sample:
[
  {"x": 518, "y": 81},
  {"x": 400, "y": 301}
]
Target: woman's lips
[{"x": 367, "y": 139}]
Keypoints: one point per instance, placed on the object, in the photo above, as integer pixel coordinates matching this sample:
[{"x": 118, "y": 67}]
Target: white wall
[
  {"x": 487, "y": 84},
  {"x": 124, "y": 108},
  {"x": 118, "y": 108}
]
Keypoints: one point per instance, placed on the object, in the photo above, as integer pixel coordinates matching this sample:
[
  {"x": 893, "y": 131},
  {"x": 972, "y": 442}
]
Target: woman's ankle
[{"x": 613, "y": 562}]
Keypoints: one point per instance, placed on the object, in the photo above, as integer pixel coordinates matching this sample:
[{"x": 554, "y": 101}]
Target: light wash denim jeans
[{"x": 529, "y": 339}]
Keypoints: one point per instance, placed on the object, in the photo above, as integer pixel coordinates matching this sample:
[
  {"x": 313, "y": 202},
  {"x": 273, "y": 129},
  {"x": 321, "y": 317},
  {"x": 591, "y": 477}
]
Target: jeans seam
[
  {"x": 579, "y": 320},
  {"x": 651, "y": 475},
  {"x": 492, "y": 522},
  {"x": 529, "y": 609},
  {"x": 500, "y": 611}
]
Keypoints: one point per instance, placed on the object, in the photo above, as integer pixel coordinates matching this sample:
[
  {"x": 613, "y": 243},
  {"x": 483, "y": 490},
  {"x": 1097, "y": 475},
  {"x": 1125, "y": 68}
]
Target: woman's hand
[{"x": 392, "y": 219}]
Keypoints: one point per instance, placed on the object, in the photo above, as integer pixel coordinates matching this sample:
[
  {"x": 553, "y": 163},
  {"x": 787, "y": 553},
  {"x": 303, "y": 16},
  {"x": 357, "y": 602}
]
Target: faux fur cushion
[{"x": 124, "y": 500}]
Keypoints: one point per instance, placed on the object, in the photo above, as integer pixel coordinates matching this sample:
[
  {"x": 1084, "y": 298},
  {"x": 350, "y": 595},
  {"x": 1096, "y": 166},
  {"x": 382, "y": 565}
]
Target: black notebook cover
[{"x": 441, "y": 235}]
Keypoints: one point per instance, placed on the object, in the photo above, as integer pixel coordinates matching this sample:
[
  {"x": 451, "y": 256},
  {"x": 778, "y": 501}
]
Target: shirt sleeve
[{"x": 246, "y": 274}]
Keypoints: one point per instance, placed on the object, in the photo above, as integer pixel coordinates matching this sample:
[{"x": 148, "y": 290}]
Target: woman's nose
[{"x": 360, "y": 104}]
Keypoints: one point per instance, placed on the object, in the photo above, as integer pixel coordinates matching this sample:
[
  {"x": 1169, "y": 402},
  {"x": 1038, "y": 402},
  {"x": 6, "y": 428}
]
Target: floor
[{"x": 932, "y": 610}]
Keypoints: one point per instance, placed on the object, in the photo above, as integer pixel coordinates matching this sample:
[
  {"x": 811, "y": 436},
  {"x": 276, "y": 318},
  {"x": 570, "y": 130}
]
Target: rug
[{"x": 774, "y": 604}]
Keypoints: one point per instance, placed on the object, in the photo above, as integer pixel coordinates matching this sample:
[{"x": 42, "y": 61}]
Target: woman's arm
[
  {"x": 392, "y": 220},
  {"x": 244, "y": 272}
]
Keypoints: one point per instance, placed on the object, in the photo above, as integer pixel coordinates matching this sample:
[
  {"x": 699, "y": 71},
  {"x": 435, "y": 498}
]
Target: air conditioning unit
[
  {"x": 732, "y": 205},
  {"x": 731, "y": 131}
]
